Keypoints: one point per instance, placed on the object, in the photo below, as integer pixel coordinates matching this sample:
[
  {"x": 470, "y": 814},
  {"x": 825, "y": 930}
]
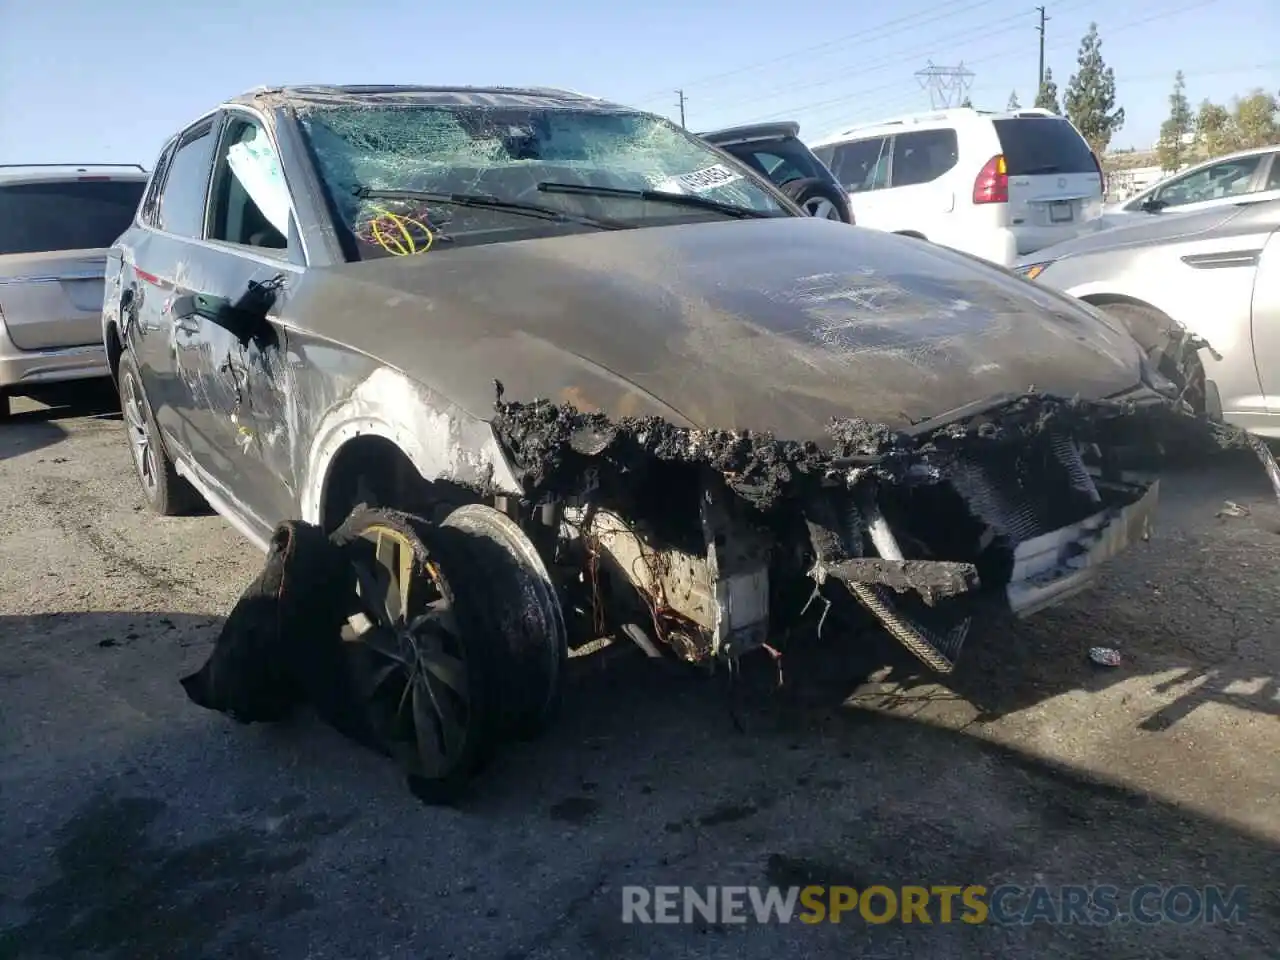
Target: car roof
[
  {"x": 754, "y": 131},
  {"x": 1235, "y": 154},
  {"x": 404, "y": 95},
  {"x": 61, "y": 172},
  {"x": 930, "y": 119}
]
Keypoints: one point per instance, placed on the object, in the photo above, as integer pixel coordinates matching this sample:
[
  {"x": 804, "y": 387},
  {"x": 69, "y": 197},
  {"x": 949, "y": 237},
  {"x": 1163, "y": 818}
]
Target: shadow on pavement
[
  {"x": 34, "y": 425},
  {"x": 139, "y": 826},
  {"x": 18, "y": 437}
]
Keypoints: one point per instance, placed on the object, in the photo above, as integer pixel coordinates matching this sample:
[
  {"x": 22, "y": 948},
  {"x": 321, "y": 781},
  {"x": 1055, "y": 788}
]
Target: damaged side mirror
[{"x": 246, "y": 317}]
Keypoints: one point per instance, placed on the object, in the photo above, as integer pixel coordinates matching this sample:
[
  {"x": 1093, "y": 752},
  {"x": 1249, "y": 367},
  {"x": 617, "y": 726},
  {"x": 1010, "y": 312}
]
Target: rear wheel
[
  {"x": 166, "y": 493},
  {"x": 816, "y": 197}
]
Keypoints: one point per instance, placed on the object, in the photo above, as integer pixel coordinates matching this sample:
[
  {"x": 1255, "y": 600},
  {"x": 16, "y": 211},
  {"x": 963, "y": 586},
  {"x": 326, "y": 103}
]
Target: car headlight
[{"x": 1029, "y": 271}]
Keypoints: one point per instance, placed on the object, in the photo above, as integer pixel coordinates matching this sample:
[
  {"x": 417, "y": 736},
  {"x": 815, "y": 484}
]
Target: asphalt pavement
[{"x": 134, "y": 825}]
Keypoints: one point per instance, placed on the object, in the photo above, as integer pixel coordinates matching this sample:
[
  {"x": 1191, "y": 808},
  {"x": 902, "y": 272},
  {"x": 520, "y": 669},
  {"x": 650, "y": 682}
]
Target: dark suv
[{"x": 775, "y": 150}]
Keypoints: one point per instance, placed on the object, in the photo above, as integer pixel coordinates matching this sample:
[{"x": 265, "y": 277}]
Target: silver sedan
[{"x": 1199, "y": 291}]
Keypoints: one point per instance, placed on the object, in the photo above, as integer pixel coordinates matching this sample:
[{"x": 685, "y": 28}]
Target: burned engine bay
[{"x": 708, "y": 541}]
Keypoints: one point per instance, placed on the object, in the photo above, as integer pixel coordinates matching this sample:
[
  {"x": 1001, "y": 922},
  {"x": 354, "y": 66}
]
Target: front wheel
[{"x": 458, "y": 638}]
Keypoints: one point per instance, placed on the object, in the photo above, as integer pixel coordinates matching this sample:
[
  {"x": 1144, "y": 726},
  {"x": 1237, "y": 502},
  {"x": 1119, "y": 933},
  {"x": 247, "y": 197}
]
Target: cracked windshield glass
[{"x": 404, "y": 179}]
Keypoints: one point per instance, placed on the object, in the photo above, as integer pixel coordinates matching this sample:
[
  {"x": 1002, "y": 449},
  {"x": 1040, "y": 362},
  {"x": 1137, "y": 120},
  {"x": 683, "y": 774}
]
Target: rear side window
[
  {"x": 780, "y": 160},
  {"x": 182, "y": 199},
  {"x": 66, "y": 215},
  {"x": 859, "y": 166},
  {"x": 923, "y": 156},
  {"x": 1043, "y": 145}
]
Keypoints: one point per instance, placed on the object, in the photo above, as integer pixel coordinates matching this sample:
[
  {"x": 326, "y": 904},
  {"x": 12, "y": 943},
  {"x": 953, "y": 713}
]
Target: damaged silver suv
[{"x": 540, "y": 362}]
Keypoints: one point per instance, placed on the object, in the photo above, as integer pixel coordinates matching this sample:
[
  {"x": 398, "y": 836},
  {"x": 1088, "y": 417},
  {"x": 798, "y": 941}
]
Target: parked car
[
  {"x": 775, "y": 150},
  {"x": 1211, "y": 276},
  {"x": 995, "y": 185},
  {"x": 580, "y": 372},
  {"x": 56, "y": 221},
  {"x": 1220, "y": 182}
]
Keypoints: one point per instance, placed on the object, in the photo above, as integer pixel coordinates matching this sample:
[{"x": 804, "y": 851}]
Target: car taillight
[
  {"x": 992, "y": 185},
  {"x": 1102, "y": 177}
]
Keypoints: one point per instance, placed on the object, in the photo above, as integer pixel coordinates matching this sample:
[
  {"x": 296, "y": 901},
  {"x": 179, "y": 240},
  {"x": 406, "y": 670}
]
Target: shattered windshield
[{"x": 486, "y": 174}]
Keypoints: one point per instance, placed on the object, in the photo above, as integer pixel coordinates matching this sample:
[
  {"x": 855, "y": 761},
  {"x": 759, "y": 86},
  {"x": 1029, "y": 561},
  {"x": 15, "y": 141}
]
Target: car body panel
[
  {"x": 758, "y": 325},
  {"x": 1213, "y": 273}
]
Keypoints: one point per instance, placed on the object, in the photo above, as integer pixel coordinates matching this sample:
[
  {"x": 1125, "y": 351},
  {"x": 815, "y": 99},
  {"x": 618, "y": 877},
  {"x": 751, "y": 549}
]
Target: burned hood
[{"x": 773, "y": 325}]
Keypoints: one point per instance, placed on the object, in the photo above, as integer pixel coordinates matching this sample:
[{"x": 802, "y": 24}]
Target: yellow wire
[{"x": 395, "y": 246}]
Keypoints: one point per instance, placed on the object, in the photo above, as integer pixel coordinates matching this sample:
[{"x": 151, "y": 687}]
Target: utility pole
[
  {"x": 1040, "y": 29},
  {"x": 680, "y": 103}
]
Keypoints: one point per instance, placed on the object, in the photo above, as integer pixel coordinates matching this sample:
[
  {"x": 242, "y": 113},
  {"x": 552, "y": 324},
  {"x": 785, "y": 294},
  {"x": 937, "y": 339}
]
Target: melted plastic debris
[{"x": 547, "y": 442}]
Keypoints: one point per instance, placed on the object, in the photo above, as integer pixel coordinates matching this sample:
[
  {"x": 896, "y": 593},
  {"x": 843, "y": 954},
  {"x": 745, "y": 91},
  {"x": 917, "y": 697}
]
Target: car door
[
  {"x": 923, "y": 198},
  {"x": 862, "y": 167},
  {"x": 165, "y": 258},
  {"x": 1227, "y": 181},
  {"x": 250, "y": 240}
]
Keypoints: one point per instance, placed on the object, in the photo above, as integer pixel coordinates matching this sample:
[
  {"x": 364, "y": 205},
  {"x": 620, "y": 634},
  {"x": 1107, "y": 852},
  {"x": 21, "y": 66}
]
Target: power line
[
  {"x": 1002, "y": 55},
  {"x": 894, "y": 105},
  {"x": 984, "y": 31},
  {"x": 909, "y": 22}
]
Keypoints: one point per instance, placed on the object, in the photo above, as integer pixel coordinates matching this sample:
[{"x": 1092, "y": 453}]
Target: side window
[
  {"x": 151, "y": 200},
  {"x": 779, "y": 169},
  {"x": 923, "y": 156},
  {"x": 250, "y": 200},
  {"x": 1230, "y": 178},
  {"x": 1273, "y": 181},
  {"x": 861, "y": 165},
  {"x": 182, "y": 199}
]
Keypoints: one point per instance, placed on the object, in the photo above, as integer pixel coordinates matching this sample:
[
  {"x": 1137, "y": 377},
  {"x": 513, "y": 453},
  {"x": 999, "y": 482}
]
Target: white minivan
[{"x": 996, "y": 185}]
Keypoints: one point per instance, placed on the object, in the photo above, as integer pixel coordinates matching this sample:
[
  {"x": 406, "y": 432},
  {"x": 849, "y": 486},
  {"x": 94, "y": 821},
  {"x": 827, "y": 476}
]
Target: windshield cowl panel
[{"x": 365, "y": 152}]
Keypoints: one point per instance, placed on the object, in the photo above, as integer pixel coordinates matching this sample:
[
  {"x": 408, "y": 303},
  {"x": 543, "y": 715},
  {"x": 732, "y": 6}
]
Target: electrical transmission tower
[{"x": 947, "y": 86}]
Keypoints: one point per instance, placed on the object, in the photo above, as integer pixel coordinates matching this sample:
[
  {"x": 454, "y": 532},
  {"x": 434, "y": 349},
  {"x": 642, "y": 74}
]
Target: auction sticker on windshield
[{"x": 716, "y": 175}]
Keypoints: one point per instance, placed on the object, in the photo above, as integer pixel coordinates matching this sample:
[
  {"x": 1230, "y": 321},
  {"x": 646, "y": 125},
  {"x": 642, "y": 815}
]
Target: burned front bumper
[{"x": 1059, "y": 564}]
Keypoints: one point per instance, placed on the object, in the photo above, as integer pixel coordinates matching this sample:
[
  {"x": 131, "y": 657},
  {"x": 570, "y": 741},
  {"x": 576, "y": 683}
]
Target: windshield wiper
[
  {"x": 1043, "y": 168},
  {"x": 486, "y": 201},
  {"x": 656, "y": 196}
]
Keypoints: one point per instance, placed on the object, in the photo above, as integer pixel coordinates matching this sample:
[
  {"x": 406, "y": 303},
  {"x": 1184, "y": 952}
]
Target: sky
[{"x": 91, "y": 82}]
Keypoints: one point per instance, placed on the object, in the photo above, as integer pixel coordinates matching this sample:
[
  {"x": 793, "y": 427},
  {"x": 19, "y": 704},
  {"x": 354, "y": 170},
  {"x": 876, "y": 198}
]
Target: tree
[
  {"x": 1257, "y": 119},
  {"x": 1215, "y": 130},
  {"x": 1047, "y": 96},
  {"x": 1171, "y": 147},
  {"x": 1091, "y": 95},
  {"x": 1013, "y": 101}
]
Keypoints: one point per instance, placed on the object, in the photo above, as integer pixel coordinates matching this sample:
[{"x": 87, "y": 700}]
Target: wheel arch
[{"x": 391, "y": 428}]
